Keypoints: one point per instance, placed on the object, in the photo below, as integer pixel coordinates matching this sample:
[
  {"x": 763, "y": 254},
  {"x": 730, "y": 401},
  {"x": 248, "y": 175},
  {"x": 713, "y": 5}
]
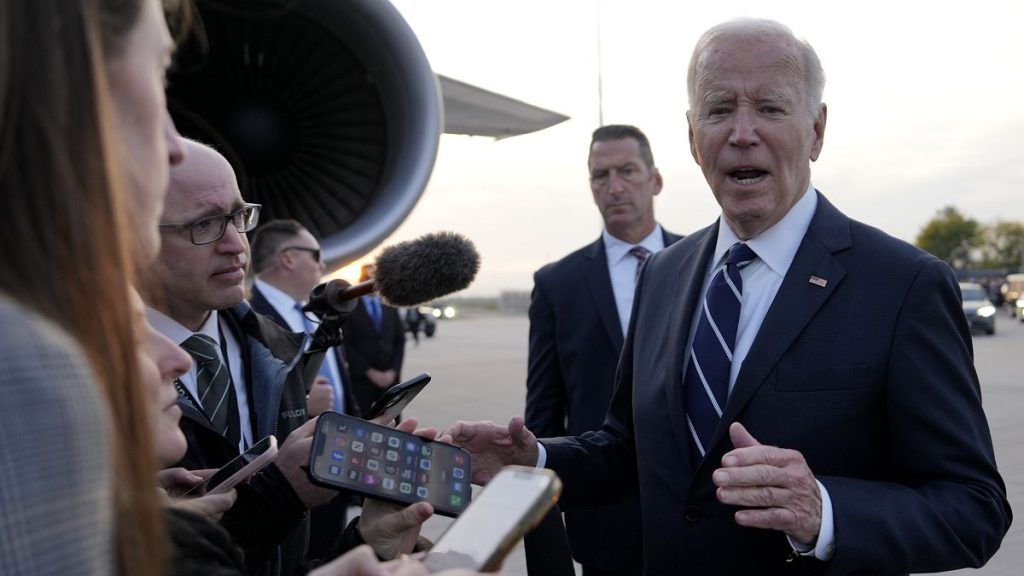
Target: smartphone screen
[
  {"x": 509, "y": 506},
  {"x": 396, "y": 398},
  {"x": 381, "y": 462}
]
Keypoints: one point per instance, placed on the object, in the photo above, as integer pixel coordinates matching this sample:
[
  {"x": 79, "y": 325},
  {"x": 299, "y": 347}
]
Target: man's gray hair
[{"x": 810, "y": 65}]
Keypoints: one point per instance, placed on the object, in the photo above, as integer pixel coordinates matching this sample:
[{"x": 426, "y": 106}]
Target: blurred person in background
[{"x": 374, "y": 344}]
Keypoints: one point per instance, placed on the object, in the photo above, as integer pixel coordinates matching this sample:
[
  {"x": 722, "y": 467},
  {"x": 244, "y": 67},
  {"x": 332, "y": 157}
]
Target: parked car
[
  {"x": 981, "y": 313},
  {"x": 1013, "y": 294}
]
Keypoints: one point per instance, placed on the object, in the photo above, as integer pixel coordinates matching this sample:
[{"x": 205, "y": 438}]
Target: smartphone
[
  {"x": 377, "y": 461},
  {"x": 396, "y": 398},
  {"x": 238, "y": 469},
  {"x": 506, "y": 509}
]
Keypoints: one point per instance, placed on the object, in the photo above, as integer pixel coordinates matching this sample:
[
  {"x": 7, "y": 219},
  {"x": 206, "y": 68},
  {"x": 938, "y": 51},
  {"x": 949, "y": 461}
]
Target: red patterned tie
[{"x": 641, "y": 254}]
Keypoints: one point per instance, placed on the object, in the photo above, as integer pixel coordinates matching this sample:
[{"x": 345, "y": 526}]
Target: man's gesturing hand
[
  {"x": 775, "y": 482},
  {"x": 494, "y": 447}
]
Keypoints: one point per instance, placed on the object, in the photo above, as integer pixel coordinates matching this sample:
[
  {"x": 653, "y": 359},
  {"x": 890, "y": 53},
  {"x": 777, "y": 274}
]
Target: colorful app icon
[
  {"x": 391, "y": 469},
  {"x": 407, "y": 474},
  {"x": 423, "y": 478},
  {"x": 405, "y": 488},
  {"x": 422, "y": 492},
  {"x": 424, "y": 464},
  {"x": 360, "y": 432},
  {"x": 376, "y": 437},
  {"x": 354, "y": 475},
  {"x": 394, "y": 442},
  {"x": 460, "y": 459},
  {"x": 357, "y": 446},
  {"x": 338, "y": 455},
  {"x": 410, "y": 446},
  {"x": 334, "y": 469},
  {"x": 373, "y": 465},
  {"x": 388, "y": 483},
  {"x": 370, "y": 479},
  {"x": 456, "y": 500},
  {"x": 426, "y": 450},
  {"x": 458, "y": 473},
  {"x": 356, "y": 461},
  {"x": 391, "y": 455},
  {"x": 340, "y": 442},
  {"x": 457, "y": 486}
]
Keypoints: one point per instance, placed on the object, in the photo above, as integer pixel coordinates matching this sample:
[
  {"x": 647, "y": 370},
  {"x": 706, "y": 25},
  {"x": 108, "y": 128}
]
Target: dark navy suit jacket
[
  {"x": 575, "y": 341},
  {"x": 870, "y": 377},
  {"x": 367, "y": 348}
]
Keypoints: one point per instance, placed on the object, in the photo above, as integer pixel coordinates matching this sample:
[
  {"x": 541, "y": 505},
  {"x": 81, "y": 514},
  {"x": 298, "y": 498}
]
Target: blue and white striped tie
[{"x": 706, "y": 382}]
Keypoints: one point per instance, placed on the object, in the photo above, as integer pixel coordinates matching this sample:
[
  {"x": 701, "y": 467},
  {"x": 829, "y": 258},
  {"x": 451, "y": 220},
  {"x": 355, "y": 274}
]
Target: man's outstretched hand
[{"x": 493, "y": 447}]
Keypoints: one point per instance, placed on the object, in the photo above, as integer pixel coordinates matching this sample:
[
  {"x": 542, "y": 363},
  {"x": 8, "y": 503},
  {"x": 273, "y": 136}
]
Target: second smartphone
[{"x": 377, "y": 461}]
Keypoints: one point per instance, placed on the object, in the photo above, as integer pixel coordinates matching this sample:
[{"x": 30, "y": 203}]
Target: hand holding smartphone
[
  {"x": 381, "y": 462},
  {"x": 238, "y": 469},
  {"x": 395, "y": 399},
  {"x": 506, "y": 509}
]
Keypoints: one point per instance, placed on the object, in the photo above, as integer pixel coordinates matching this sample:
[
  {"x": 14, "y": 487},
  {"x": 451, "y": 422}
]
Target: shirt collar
[
  {"x": 617, "y": 249},
  {"x": 277, "y": 297},
  {"x": 178, "y": 333},
  {"x": 777, "y": 245}
]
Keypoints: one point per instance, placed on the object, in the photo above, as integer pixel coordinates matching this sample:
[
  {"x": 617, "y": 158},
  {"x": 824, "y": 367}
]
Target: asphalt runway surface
[{"x": 478, "y": 365}]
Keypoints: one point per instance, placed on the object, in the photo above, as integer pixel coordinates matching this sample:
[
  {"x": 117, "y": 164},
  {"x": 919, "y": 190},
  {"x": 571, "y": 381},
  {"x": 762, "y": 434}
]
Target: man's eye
[{"x": 203, "y": 225}]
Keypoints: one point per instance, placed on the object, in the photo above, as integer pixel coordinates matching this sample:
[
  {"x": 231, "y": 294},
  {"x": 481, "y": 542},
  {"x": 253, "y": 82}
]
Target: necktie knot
[
  {"x": 640, "y": 253},
  {"x": 740, "y": 255},
  {"x": 202, "y": 348}
]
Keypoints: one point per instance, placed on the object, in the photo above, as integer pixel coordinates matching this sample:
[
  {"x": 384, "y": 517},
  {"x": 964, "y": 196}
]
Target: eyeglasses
[
  {"x": 209, "y": 230},
  {"x": 314, "y": 251}
]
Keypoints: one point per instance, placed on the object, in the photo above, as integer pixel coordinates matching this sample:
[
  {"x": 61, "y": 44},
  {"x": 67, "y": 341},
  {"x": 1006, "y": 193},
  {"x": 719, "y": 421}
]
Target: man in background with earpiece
[{"x": 287, "y": 263}]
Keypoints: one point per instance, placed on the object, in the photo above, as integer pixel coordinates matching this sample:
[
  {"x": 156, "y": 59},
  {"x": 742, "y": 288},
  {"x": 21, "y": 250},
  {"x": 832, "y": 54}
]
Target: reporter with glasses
[{"x": 241, "y": 386}]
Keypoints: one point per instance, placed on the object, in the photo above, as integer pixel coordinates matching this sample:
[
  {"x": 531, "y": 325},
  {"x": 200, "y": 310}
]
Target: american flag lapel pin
[{"x": 821, "y": 282}]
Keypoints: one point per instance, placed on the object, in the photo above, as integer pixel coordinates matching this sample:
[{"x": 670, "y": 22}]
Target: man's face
[
  {"x": 751, "y": 130},
  {"x": 198, "y": 279},
  {"x": 623, "y": 186},
  {"x": 307, "y": 269}
]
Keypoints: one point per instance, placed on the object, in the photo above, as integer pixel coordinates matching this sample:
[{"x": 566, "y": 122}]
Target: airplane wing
[{"x": 477, "y": 112}]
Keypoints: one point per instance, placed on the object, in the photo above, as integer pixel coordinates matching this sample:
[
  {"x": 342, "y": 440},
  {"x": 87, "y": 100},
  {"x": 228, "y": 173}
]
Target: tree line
[{"x": 967, "y": 244}]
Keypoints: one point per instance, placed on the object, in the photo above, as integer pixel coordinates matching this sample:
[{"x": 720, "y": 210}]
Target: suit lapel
[
  {"x": 795, "y": 305},
  {"x": 595, "y": 272},
  {"x": 683, "y": 293}
]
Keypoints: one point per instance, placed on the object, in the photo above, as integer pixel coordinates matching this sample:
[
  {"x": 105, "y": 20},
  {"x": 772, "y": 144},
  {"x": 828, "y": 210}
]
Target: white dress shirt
[
  {"x": 212, "y": 328},
  {"x": 775, "y": 248},
  {"x": 622, "y": 268},
  {"x": 285, "y": 306}
]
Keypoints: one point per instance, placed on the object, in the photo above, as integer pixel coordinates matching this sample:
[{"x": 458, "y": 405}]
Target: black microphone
[{"x": 408, "y": 274}]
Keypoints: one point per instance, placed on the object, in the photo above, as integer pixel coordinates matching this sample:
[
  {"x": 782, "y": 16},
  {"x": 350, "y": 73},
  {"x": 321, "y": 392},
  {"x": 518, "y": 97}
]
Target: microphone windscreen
[{"x": 417, "y": 271}]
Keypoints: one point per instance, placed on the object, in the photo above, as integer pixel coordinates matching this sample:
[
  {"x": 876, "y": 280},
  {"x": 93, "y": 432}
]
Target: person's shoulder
[
  {"x": 33, "y": 349},
  {"x": 570, "y": 261},
  {"x": 885, "y": 247}
]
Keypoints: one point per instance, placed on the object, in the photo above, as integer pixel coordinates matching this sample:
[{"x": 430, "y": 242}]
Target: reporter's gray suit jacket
[{"x": 56, "y": 496}]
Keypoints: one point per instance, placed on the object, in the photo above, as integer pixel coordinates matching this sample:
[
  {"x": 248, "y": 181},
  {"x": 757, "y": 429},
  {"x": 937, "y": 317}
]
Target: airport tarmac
[{"x": 478, "y": 366}]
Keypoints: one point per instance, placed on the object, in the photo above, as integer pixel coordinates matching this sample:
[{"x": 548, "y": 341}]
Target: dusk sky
[{"x": 924, "y": 104}]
